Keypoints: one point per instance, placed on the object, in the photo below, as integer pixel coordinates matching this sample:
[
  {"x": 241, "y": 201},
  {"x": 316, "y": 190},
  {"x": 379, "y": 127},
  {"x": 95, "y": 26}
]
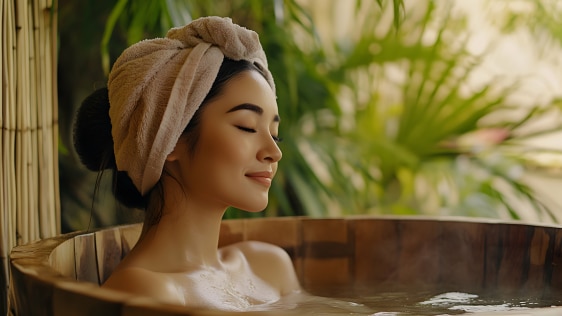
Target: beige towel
[{"x": 156, "y": 86}]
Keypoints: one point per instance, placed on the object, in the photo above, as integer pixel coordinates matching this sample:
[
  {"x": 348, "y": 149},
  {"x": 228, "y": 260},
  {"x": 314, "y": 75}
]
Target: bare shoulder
[
  {"x": 139, "y": 281},
  {"x": 271, "y": 263}
]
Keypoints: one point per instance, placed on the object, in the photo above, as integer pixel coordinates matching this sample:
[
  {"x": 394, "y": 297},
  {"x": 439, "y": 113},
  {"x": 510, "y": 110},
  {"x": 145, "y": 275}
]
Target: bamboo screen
[{"x": 29, "y": 197}]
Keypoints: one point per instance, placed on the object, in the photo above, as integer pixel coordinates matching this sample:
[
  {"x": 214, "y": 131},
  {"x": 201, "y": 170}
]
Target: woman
[{"x": 192, "y": 130}]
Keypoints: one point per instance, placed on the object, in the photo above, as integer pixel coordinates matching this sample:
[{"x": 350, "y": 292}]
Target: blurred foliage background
[{"x": 382, "y": 106}]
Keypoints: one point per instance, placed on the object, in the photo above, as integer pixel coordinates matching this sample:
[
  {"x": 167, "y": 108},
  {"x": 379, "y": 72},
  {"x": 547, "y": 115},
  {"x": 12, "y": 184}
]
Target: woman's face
[{"x": 236, "y": 154}]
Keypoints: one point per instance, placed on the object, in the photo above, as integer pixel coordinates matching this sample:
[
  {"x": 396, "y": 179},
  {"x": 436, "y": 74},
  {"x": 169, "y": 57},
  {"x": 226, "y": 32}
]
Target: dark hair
[{"x": 94, "y": 144}]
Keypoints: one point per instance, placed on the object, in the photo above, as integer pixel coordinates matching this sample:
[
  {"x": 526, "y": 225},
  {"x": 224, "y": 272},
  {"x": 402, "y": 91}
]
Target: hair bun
[{"x": 92, "y": 132}]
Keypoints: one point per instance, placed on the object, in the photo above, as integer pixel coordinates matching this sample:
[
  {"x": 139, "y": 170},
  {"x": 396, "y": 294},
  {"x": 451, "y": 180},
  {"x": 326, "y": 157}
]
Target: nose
[{"x": 270, "y": 151}]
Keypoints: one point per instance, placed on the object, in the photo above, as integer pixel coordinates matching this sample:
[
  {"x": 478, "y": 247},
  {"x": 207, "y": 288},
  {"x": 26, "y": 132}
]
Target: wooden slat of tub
[
  {"x": 540, "y": 250},
  {"x": 555, "y": 268},
  {"x": 108, "y": 251},
  {"x": 31, "y": 277},
  {"x": 129, "y": 236},
  {"x": 71, "y": 299},
  {"x": 86, "y": 262},
  {"x": 418, "y": 258},
  {"x": 377, "y": 252},
  {"x": 512, "y": 261},
  {"x": 493, "y": 255},
  {"x": 30, "y": 294},
  {"x": 328, "y": 261},
  {"x": 397, "y": 254},
  {"x": 462, "y": 256},
  {"x": 62, "y": 259}
]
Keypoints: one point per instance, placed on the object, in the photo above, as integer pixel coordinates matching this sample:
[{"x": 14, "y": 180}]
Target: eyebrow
[{"x": 251, "y": 107}]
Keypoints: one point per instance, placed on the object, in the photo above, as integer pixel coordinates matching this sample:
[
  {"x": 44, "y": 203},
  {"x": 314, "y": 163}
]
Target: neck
[{"x": 186, "y": 235}]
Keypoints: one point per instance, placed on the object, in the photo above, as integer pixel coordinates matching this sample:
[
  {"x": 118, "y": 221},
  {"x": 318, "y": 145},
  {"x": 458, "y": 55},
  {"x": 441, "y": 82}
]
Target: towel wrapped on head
[{"x": 156, "y": 86}]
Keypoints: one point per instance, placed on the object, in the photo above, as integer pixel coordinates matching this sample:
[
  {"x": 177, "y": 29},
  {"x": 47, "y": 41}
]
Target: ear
[{"x": 179, "y": 150}]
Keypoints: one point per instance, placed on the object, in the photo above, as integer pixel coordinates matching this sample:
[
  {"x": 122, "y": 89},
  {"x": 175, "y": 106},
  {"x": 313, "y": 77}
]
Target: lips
[{"x": 261, "y": 177}]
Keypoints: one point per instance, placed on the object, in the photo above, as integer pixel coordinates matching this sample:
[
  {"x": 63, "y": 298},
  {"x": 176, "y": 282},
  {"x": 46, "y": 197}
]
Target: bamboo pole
[
  {"x": 9, "y": 130},
  {"x": 29, "y": 192},
  {"x": 49, "y": 130},
  {"x": 7, "y": 227},
  {"x": 54, "y": 119},
  {"x": 22, "y": 121},
  {"x": 35, "y": 103}
]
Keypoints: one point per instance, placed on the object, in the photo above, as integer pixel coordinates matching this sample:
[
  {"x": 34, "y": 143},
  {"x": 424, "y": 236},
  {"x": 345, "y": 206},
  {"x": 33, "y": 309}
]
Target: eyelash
[{"x": 277, "y": 139}]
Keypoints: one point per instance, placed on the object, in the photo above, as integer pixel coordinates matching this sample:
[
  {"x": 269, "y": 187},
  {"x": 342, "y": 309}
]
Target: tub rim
[{"x": 34, "y": 266}]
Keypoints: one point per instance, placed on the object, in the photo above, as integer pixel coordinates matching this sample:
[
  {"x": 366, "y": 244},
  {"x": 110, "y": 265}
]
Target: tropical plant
[
  {"x": 386, "y": 119},
  {"x": 421, "y": 136}
]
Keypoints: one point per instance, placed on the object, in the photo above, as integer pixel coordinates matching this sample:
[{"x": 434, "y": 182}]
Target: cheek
[{"x": 223, "y": 149}]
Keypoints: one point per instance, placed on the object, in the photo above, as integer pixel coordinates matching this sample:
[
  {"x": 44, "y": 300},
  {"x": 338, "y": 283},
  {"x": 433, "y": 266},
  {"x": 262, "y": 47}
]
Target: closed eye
[
  {"x": 276, "y": 139},
  {"x": 246, "y": 129}
]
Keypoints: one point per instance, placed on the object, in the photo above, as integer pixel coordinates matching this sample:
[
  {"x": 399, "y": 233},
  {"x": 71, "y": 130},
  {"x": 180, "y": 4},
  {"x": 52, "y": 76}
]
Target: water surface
[{"x": 408, "y": 304}]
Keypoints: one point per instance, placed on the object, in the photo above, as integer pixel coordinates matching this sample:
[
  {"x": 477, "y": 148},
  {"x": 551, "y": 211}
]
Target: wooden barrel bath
[{"x": 351, "y": 255}]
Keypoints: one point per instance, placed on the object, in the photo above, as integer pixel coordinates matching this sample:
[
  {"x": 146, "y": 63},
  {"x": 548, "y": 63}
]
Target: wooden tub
[{"x": 360, "y": 255}]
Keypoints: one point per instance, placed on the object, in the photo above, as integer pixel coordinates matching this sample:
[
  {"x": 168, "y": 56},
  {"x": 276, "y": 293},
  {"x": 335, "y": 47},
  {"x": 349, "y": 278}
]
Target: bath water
[{"x": 402, "y": 304}]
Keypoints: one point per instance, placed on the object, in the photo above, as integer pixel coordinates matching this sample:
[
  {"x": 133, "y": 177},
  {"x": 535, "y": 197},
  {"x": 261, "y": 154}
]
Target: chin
[
  {"x": 250, "y": 201},
  {"x": 253, "y": 208}
]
